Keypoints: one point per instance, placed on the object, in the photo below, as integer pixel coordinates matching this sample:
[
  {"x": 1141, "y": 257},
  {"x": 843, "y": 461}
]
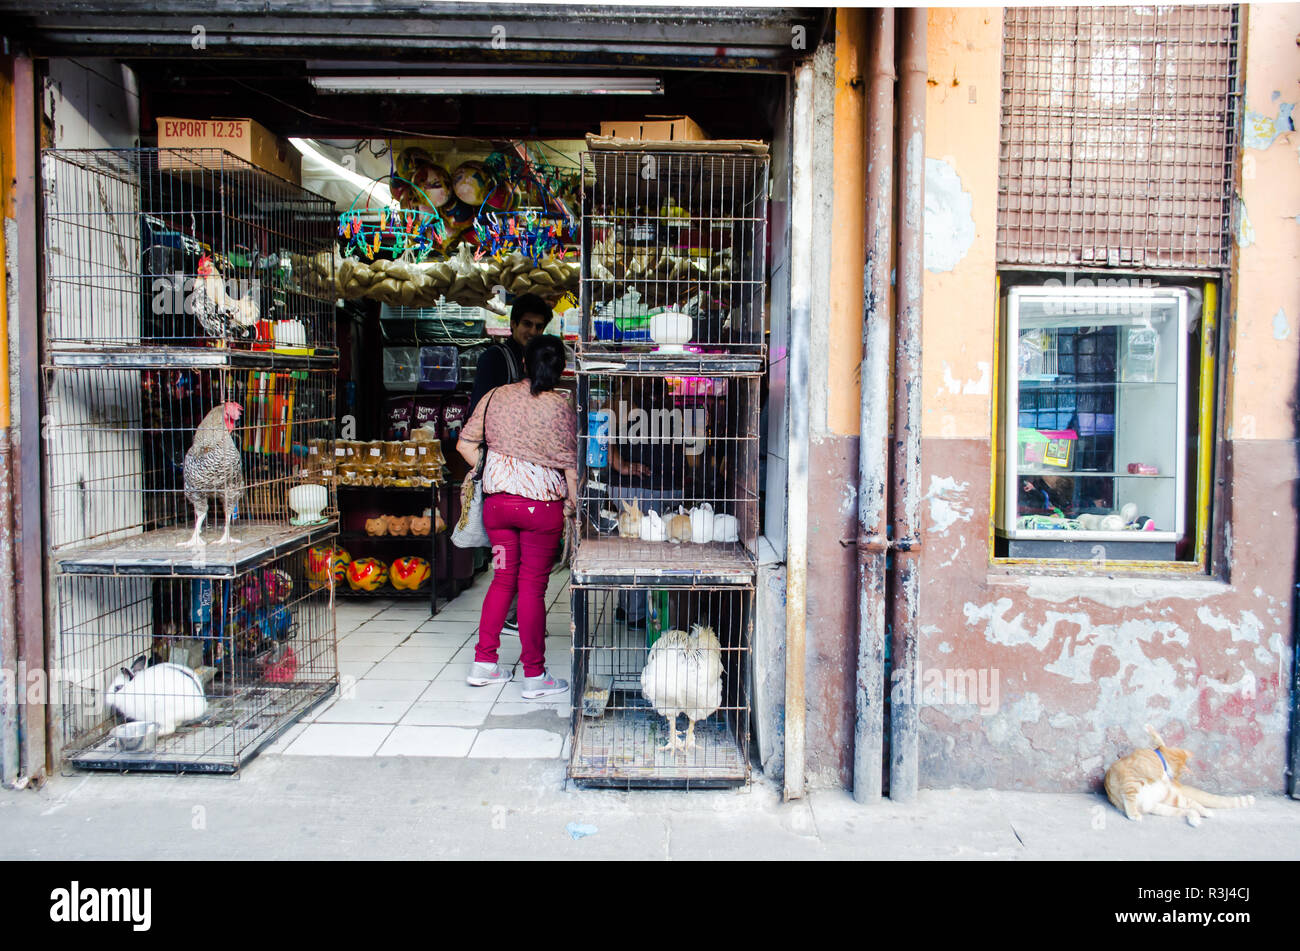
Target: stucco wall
[{"x": 1066, "y": 670}]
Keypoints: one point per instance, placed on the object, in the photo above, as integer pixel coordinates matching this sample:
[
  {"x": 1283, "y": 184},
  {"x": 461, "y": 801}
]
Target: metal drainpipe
[
  {"x": 796, "y": 599},
  {"x": 25, "y": 438},
  {"x": 873, "y": 449},
  {"x": 904, "y": 746}
]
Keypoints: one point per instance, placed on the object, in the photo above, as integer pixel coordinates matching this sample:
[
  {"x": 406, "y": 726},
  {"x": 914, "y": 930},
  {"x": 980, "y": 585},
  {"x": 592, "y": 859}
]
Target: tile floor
[{"x": 403, "y": 690}]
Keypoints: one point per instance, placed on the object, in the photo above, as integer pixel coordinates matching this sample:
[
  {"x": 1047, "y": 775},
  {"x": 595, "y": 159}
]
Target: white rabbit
[
  {"x": 725, "y": 528},
  {"x": 702, "y": 524},
  {"x": 652, "y": 527},
  {"x": 167, "y": 694}
]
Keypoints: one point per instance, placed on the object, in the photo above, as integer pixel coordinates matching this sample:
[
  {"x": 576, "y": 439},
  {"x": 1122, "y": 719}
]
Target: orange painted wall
[
  {"x": 1262, "y": 371},
  {"x": 848, "y": 221},
  {"x": 961, "y": 149}
]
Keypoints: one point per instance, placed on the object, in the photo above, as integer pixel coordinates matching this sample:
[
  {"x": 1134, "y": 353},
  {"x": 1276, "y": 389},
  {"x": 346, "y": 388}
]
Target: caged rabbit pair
[{"x": 166, "y": 694}]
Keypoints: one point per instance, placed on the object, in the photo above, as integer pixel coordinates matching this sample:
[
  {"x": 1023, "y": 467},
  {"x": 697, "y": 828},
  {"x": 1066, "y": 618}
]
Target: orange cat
[{"x": 1147, "y": 781}]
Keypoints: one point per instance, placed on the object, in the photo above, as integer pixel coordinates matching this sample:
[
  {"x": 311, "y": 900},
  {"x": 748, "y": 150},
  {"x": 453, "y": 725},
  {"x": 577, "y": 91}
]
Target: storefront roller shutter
[{"x": 734, "y": 38}]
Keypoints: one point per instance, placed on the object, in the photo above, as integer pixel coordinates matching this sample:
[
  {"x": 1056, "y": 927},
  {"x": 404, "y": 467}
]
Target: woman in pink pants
[{"x": 530, "y": 487}]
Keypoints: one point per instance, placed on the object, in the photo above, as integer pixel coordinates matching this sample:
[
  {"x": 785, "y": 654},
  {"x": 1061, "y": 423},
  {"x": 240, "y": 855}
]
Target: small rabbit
[
  {"x": 630, "y": 522},
  {"x": 652, "y": 527},
  {"x": 679, "y": 527},
  {"x": 725, "y": 528},
  {"x": 167, "y": 694},
  {"x": 702, "y": 524}
]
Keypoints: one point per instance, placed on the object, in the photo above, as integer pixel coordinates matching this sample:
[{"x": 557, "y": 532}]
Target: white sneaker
[
  {"x": 480, "y": 675},
  {"x": 543, "y": 686}
]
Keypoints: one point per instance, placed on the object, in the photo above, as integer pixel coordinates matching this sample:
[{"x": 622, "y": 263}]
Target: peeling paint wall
[
  {"x": 1070, "y": 667},
  {"x": 1082, "y": 663}
]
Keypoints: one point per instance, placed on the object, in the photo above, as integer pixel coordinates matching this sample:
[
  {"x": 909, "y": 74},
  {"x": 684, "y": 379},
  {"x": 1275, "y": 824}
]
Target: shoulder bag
[{"x": 469, "y": 531}]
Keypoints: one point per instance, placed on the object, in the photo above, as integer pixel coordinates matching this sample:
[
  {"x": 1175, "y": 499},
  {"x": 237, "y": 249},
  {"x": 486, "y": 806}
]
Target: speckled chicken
[
  {"x": 212, "y": 467},
  {"x": 218, "y": 313},
  {"x": 683, "y": 674}
]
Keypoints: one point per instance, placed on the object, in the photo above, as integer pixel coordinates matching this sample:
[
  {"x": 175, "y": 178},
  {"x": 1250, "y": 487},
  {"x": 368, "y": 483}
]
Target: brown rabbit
[
  {"x": 1147, "y": 781},
  {"x": 629, "y": 522},
  {"x": 679, "y": 527}
]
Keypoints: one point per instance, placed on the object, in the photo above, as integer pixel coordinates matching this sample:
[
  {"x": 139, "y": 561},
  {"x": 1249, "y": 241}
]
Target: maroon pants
[{"x": 525, "y": 536}]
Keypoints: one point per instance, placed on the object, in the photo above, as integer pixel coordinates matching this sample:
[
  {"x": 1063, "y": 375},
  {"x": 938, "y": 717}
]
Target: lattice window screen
[{"x": 1118, "y": 136}]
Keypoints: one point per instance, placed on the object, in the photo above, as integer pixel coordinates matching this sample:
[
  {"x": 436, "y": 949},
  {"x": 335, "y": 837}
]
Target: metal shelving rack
[
  {"x": 411, "y": 542},
  {"x": 177, "y": 281},
  {"x": 668, "y": 428}
]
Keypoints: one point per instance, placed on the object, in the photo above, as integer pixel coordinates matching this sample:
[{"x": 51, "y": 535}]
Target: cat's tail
[
  {"x": 1211, "y": 801},
  {"x": 1155, "y": 736}
]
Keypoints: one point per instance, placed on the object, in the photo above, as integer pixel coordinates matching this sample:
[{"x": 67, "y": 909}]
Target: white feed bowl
[
  {"x": 670, "y": 330},
  {"x": 308, "y": 502}
]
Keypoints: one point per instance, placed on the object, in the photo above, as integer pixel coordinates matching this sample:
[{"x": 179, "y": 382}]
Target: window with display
[{"x": 1100, "y": 428}]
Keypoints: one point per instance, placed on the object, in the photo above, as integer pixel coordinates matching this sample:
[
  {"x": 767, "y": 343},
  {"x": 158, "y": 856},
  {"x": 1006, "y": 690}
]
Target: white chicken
[{"x": 683, "y": 674}]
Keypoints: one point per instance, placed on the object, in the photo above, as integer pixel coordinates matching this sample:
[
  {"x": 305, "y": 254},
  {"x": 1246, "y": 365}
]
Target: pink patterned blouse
[{"x": 531, "y": 441}]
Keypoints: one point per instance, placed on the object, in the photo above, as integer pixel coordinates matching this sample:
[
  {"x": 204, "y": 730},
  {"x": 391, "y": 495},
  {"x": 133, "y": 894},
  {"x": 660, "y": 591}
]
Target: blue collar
[{"x": 1162, "y": 761}]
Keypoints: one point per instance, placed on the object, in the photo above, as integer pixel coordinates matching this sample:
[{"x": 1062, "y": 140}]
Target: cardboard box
[
  {"x": 656, "y": 128},
  {"x": 243, "y": 138}
]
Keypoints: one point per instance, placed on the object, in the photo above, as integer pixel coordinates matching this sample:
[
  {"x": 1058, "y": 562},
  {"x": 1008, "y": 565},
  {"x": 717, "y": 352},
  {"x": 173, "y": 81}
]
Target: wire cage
[
  {"x": 668, "y": 477},
  {"x": 183, "y": 248},
  {"x": 661, "y": 685},
  {"x": 116, "y": 444},
  {"x": 189, "y": 674},
  {"x": 680, "y": 233}
]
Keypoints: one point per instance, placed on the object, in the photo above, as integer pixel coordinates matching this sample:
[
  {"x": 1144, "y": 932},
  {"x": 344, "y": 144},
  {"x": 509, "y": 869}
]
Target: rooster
[
  {"x": 212, "y": 467},
  {"x": 215, "y": 309},
  {"x": 683, "y": 674}
]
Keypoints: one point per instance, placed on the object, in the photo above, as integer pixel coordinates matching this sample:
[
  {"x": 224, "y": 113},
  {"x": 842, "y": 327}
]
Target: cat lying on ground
[{"x": 1147, "y": 781}]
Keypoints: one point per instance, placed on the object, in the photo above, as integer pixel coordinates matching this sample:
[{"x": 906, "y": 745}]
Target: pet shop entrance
[{"x": 128, "y": 386}]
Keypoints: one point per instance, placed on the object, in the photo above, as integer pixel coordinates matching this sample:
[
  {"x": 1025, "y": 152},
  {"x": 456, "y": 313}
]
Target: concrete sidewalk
[{"x": 304, "y": 807}]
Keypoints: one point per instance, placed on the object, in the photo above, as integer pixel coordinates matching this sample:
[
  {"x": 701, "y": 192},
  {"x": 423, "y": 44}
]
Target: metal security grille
[{"x": 1118, "y": 136}]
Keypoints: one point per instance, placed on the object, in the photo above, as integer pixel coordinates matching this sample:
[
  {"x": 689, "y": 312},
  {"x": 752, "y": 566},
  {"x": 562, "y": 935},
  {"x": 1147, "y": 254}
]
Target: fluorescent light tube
[{"x": 490, "y": 85}]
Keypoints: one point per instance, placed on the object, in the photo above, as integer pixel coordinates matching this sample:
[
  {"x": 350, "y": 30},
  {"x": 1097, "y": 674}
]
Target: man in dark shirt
[{"x": 503, "y": 362}]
